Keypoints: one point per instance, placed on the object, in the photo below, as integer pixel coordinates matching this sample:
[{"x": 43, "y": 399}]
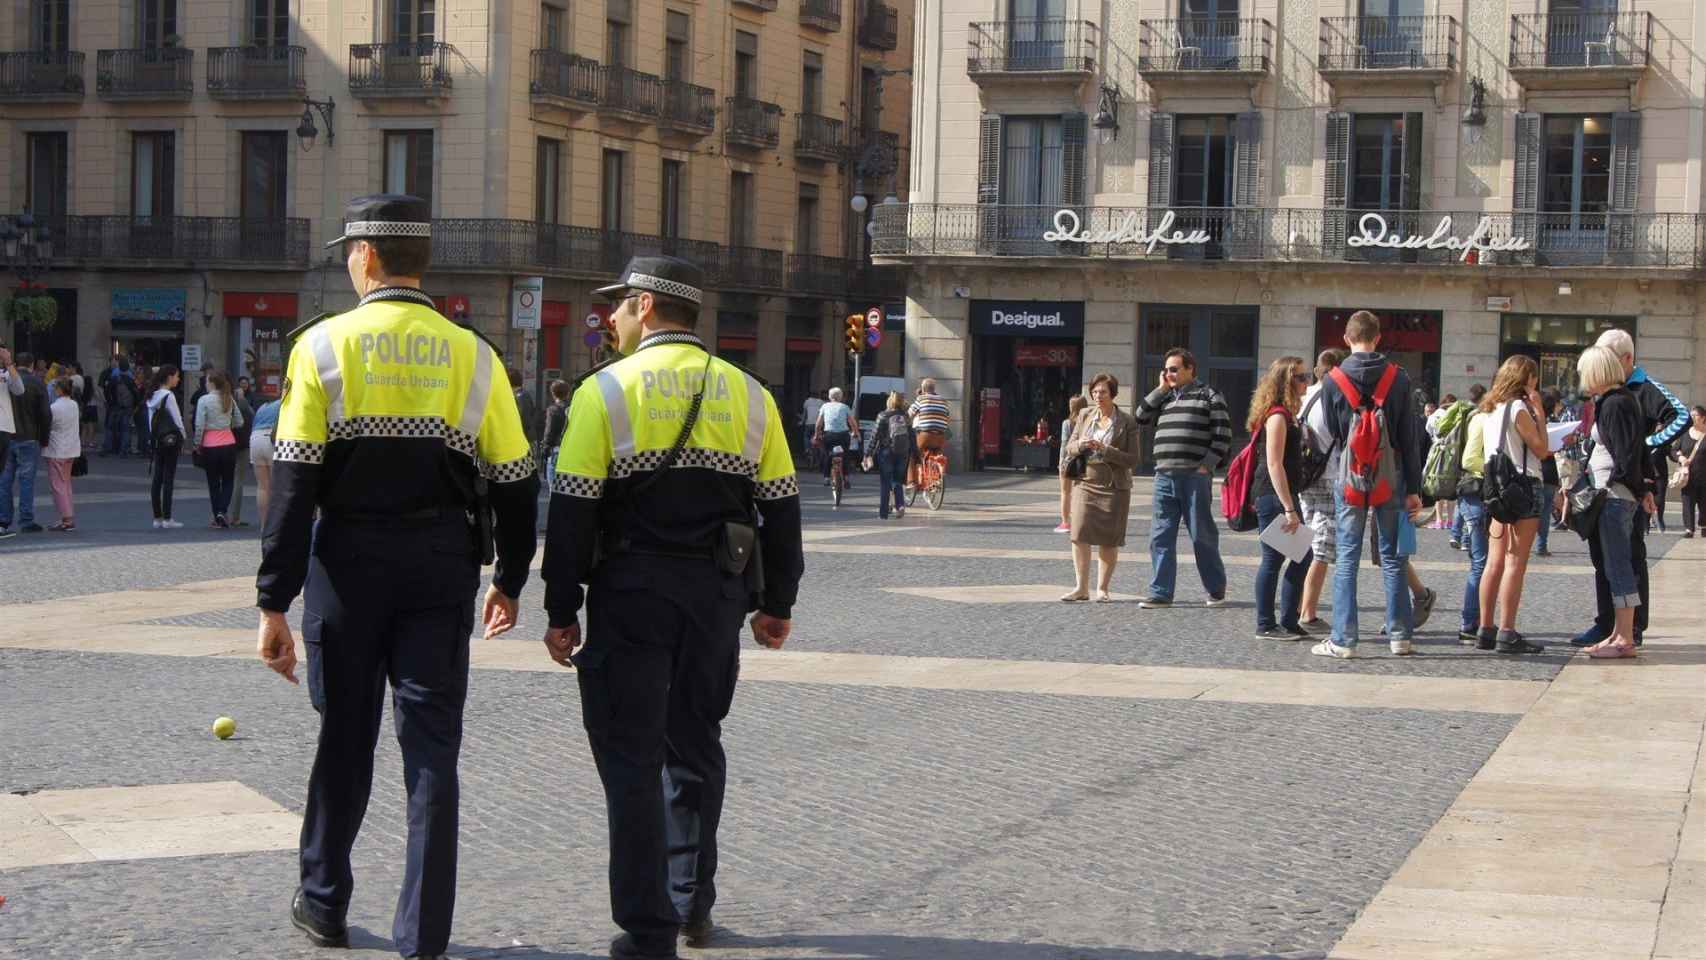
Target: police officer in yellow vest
[
  {"x": 669, "y": 459},
  {"x": 399, "y": 427}
]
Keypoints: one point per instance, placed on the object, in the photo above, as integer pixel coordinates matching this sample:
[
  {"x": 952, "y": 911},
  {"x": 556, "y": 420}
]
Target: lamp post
[
  {"x": 28, "y": 248},
  {"x": 306, "y": 131},
  {"x": 876, "y": 159}
]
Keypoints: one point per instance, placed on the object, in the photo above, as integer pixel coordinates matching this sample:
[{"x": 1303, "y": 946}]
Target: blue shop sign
[{"x": 150, "y": 303}]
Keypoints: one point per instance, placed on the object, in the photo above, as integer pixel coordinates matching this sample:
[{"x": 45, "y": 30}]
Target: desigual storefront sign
[
  {"x": 1028, "y": 318},
  {"x": 1372, "y": 231}
]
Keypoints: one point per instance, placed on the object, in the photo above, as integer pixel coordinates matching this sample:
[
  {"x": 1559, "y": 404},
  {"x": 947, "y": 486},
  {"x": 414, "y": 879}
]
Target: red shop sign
[
  {"x": 1401, "y": 331},
  {"x": 453, "y": 306},
  {"x": 260, "y": 305},
  {"x": 1045, "y": 355},
  {"x": 554, "y": 313}
]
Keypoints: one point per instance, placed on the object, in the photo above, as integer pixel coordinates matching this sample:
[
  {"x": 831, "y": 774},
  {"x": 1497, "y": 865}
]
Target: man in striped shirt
[
  {"x": 929, "y": 416},
  {"x": 1192, "y": 435}
]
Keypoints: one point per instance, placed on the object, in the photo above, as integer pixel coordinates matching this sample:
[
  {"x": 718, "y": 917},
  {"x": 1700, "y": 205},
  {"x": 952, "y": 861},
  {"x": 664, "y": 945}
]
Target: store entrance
[{"x": 1036, "y": 377}]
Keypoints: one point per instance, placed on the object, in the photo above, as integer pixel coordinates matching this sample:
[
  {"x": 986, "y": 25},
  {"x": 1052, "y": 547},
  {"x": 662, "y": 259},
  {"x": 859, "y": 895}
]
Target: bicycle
[
  {"x": 932, "y": 479},
  {"x": 837, "y": 474}
]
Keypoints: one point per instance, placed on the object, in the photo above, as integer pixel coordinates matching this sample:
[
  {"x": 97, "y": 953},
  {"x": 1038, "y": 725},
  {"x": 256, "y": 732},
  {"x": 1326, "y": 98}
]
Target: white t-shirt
[
  {"x": 1514, "y": 447},
  {"x": 813, "y": 405},
  {"x": 64, "y": 439}
]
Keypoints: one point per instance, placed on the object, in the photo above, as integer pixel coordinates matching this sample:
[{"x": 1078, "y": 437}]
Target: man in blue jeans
[
  {"x": 1365, "y": 367},
  {"x": 30, "y": 413},
  {"x": 1192, "y": 434}
]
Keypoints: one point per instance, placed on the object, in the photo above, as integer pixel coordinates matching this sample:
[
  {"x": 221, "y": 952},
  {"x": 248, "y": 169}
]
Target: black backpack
[
  {"x": 1509, "y": 492},
  {"x": 164, "y": 430}
]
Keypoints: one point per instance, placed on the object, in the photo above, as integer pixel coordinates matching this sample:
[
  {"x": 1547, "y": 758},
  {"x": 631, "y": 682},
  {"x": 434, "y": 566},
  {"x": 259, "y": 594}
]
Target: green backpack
[{"x": 1444, "y": 465}]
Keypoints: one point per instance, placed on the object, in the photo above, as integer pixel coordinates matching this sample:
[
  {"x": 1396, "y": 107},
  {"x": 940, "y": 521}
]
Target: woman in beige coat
[{"x": 1101, "y": 499}]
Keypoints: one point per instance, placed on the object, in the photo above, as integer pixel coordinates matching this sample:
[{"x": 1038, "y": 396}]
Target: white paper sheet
[
  {"x": 1295, "y": 545},
  {"x": 1556, "y": 432}
]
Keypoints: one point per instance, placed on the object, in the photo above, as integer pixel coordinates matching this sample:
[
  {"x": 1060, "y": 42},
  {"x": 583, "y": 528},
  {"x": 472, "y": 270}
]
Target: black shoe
[
  {"x": 1467, "y": 638},
  {"x": 7, "y": 532},
  {"x": 1512, "y": 642},
  {"x": 698, "y": 932},
  {"x": 31, "y": 528},
  {"x": 1688, "y": 534},
  {"x": 1487, "y": 638},
  {"x": 624, "y": 947},
  {"x": 320, "y": 934},
  {"x": 1279, "y": 633},
  {"x": 1542, "y": 552}
]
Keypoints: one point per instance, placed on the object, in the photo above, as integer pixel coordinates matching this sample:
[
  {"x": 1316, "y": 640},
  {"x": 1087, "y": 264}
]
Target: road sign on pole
[
  {"x": 874, "y": 319},
  {"x": 874, "y": 337}
]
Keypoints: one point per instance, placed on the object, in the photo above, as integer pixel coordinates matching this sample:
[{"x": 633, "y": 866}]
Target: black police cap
[
  {"x": 663, "y": 276},
  {"x": 381, "y": 215}
]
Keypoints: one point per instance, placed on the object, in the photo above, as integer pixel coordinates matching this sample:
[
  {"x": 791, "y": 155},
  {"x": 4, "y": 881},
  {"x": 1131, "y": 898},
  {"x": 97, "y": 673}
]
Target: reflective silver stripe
[
  {"x": 331, "y": 375},
  {"x": 479, "y": 391},
  {"x": 616, "y": 414},
  {"x": 753, "y": 446}
]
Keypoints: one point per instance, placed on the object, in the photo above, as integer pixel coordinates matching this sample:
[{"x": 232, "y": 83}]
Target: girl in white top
[
  {"x": 1516, "y": 389},
  {"x": 162, "y": 402},
  {"x": 64, "y": 446}
]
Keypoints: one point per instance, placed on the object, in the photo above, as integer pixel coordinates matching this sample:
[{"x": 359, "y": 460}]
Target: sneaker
[
  {"x": 1316, "y": 625},
  {"x": 1154, "y": 603},
  {"x": 1422, "y": 609},
  {"x": 1328, "y": 648},
  {"x": 7, "y": 533},
  {"x": 1063, "y": 528},
  {"x": 1542, "y": 552},
  {"x": 1487, "y": 638},
  {"x": 1588, "y": 637},
  {"x": 1218, "y": 600},
  {"x": 1296, "y": 632},
  {"x": 1401, "y": 648},
  {"x": 1275, "y": 633},
  {"x": 1455, "y": 545},
  {"x": 170, "y": 525},
  {"x": 1467, "y": 638},
  {"x": 159, "y": 524},
  {"x": 31, "y": 528},
  {"x": 1509, "y": 641}
]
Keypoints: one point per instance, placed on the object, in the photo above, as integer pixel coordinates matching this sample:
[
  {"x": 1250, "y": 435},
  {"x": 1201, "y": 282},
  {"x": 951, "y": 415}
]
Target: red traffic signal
[{"x": 854, "y": 336}]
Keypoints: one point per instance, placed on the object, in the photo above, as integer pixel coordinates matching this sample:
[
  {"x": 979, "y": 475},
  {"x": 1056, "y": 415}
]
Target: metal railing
[
  {"x": 1667, "y": 240},
  {"x": 820, "y": 137},
  {"x": 564, "y": 76},
  {"x": 750, "y": 268},
  {"x": 813, "y": 273},
  {"x": 1388, "y": 43},
  {"x": 237, "y": 72},
  {"x": 767, "y": 5},
  {"x": 1205, "y": 45},
  {"x": 149, "y": 73},
  {"x": 553, "y": 248},
  {"x": 177, "y": 240},
  {"x": 629, "y": 92},
  {"x": 879, "y": 28},
  {"x": 406, "y": 68},
  {"x": 41, "y": 75},
  {"x": 823, "y": 14},
  {"x": 688, "y": 106},
  {"x": 1609, "y": 39},
  {"x": 753, "y": 122},
  {"x": 1032, "y": 46}
]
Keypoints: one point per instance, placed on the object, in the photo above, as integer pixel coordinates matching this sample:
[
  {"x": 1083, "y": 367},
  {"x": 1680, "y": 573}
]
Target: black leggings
[
  {"x": 160, "y": 491},
  {"x": 221, "y": 466},
  {"x": 1694, "y": 506}
]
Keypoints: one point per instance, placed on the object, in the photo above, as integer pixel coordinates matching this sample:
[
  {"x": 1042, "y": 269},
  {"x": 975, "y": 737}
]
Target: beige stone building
[
  {"x": 162, "y": 142},
  {"x": 1094, "y": 183}
]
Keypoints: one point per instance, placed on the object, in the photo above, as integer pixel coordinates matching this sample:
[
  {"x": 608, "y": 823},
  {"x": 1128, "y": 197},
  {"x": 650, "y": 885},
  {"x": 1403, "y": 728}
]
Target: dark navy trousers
[
  {"x": 657, "y": 676},
  {"x": 388, "y": 603}
]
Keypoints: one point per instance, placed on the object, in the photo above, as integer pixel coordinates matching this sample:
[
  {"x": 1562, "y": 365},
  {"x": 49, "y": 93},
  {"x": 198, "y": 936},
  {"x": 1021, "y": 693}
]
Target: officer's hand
[
  {"x": 560, "y": 642},
  {"x": 498, "y": 613},
  {"x": 276, "y": 646},
  {"x": 770, "y": 631}
]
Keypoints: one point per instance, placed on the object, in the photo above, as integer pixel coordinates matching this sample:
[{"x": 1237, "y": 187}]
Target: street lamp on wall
[
  {"x": 28, "y": 248},
  {"x": 1475, "y": 115},
  {"x": 1107, "y": 119},
  {"x": 306, "y": 131}
]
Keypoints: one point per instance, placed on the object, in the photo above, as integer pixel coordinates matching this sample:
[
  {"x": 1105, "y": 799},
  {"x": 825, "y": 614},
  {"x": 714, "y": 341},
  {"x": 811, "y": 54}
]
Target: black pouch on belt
[{"x": 734, "y": 547}]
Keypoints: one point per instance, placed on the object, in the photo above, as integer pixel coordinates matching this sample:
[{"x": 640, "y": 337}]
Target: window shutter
[
  {"x": 1625, "y": 162},
  {"x": 1161, "y": 160},
  {"x": 1073, "y": 162},
  {"x": 989, "y": 160},
  {"x": 1247, "y": 160},
  {"x": 1336, "y": 187},
  {"x": 1410, "y": 196},
  {"x": 1525, "y": 192}
]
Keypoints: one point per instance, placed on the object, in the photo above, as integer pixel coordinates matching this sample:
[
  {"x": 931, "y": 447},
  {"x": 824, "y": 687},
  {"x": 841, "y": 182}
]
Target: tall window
[
  {"x": 740, "y": 209},
  {"x": 1202, "y": 162},
  {"x": 156, "y": 20},
  {"x": 47, "y": 174},
  {"x": 269, "y": 23},
  {"x": 676, "y": 43},
  {"x": 547, "y": 180},
  {"x": 414, "y": 21},
  {"x": 746, "y": 65},
  {"x": 153, "y": 169},
  {"x": 265, "y": 162},
  {"x": 408, "y": 163},
  {"x": 552, "y": 32},
  {"x": 618, "y": 16},
  {"x": 1377, "y": 163},
  {"x": 669, "y": 223},
  {"x": 51, "y": 26},
  {"x": 1577, "y": 172},
  {"x": 805, "y": 220},
  {"x": 1031, "y": 158},
  {"x": 611, "y": 193},
  {"x": 811, "y": 83}
]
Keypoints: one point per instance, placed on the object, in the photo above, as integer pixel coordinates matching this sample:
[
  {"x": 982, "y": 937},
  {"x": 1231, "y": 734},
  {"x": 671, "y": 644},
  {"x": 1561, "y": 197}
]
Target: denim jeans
[
  {"x": 1473, "y": 513},
  {"x": 21, "y": 459},
  {"x": 1458, "y": 524},
  {"x": 118, "y": 431},
  {"x": 1268, "y": 509},
  {"x": 1547, "y": 495},
  {"x": 1616, "y": 521},
  {"x": 1353, "y": 521},
  {"x": 891, "y": 476},
  {"x": 1186, "y": 495}
]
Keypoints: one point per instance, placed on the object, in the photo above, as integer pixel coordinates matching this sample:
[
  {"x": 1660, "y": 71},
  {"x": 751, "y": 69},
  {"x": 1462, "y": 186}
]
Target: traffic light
[{"x": 855, "y": 333}]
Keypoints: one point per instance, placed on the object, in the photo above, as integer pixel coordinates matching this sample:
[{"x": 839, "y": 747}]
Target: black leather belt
[{"x": 413, "y": 517}]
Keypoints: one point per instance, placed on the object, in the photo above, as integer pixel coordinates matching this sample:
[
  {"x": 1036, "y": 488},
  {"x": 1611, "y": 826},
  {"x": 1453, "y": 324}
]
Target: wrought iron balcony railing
[
  {"x": 766, "y": 5},
  {"x": 1369, "y": 44},
  {"x": 41, "y": 76},
  {"x": 149, "y": 73},
  {"x": 1541, "y": 41},
  {"x": 752, "y": 123},
  {"x": 1207, "y": 45},
  {"x": 820, "y": 138},
  {"x": 749, "y": 268},
  {"x": 822, "y": 14},
  {"x": 564, "y": 79},
  {"x": 180, "y": 240},
  {"x": 400, "y": 69},
  {"x": 1442, "y": 238},
  {"x": 256, "y": 73},
  {"x": 629, "y": 94},
  {"x": 1032, "y": 46},
  {"x": 879, "y": 29},
  {"x": 817, "y": 275},
  {"x": 688, "y": 108},
  {"x": 555, "y": 249}
]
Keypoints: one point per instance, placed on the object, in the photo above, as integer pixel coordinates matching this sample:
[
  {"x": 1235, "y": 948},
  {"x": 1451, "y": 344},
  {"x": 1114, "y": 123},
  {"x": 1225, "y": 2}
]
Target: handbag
[
  {"x": 1510, "y": 494},
  {"x": 1074, "y": 468},
  {"x": 80, "y": 466},
  {"x": 1586, "y": 501}
]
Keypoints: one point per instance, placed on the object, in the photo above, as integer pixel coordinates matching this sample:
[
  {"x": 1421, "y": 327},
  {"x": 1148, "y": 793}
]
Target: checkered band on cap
[
  {"x": 363, "y": 229},
  {"x": 674, "y": 288}
]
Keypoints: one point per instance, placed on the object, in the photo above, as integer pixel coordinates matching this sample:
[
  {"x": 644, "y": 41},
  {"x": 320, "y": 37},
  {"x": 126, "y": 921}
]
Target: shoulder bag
[{"x": 1075, "y": 464}]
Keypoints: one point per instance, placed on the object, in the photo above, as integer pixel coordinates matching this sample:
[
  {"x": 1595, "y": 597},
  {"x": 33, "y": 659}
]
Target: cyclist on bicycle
[
  {"x": 808, "y": 417},
  {"x": 835, "y": 426},
  {"x": 929, "y": 415}
]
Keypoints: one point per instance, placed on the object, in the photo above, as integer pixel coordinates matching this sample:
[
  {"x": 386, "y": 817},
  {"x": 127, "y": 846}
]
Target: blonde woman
[
  {"x": 1275, "y": 485},
  {"x": 1619, "y": 465},
  {"x": 1101, "y": 500},
  {"x": 217, "y": 418},
  {"x": 1514, "y": 399},
  {"x": 1074, "y": 407},
  {"x": 891, "y": 450}
]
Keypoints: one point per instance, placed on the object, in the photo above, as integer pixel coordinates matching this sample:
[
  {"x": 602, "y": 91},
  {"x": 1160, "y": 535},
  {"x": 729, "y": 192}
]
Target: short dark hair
[
  {"x": 24, "y": 359},
  {"x": 559, "y": 390},
  {"x": 1476, "y": 392},
  {"x": 402, "y": 256},
  {"x": 1189, "y": 358},
  {"x": 1328, "y": 359},
  {"x": 1448, "y": 399},
  {"x": 1109, "y": 379},
  {"x": 1362, "y": 327},
  {"x": 1549, "y": 400},
  {"x": 63, "y": 385},
  {"x": 514, "y": 376},
  {"x": 674, "y": 311}
]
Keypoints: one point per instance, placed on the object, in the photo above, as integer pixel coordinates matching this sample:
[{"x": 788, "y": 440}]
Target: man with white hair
[
  {"x": 1664, "y": 418},
  {"x": 835, "y": 426}
]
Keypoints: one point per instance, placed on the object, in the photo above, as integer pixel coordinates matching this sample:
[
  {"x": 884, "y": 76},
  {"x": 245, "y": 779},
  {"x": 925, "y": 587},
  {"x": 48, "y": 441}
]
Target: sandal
[
  {"x": 1606, "y": 650},
  {"x": 1102, "y": 596},
  {"x": 1073, "y": 596}
]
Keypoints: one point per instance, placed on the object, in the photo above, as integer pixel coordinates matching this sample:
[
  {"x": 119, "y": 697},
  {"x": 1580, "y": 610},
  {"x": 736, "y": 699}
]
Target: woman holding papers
[{"x": 1278, "y": 477}]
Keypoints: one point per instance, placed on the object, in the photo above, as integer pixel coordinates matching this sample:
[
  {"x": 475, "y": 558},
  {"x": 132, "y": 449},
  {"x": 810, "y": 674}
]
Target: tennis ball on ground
[{"x": 224, "y": 727}]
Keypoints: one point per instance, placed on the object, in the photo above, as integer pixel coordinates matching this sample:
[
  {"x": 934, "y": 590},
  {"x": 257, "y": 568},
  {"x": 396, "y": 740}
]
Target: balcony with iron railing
[
  {"x": 820, "y": 138},
  {"x": 821, "y": 14},
  {"x": 1032, "y": 50},
  {"x": 41, "y": 76},
  {"x": 257, "y": 73},
  {"x": 1425, "y": 238},
  {"x": 148, "y": 73},
  {"x": 688, "y": 109},
  {"x": 178, "y": 242},
  {"x": 769, "y": 6},
  {"x": 1580, "y": 50},
  {"x": 553, "y": 249},
  {"x": 879, "y": 28},
  {"x": 1196, "y": 49},
  {"x": 749, "y": 268},
  {"x": 816, "y": 275},
  {"x": 1354, "y": 48},
  {"x": 402, "y": 69},
  {"x": 566, "y": 80},
  {"x": 630, "y": 95},
  {"x": 754, "y": 124}
]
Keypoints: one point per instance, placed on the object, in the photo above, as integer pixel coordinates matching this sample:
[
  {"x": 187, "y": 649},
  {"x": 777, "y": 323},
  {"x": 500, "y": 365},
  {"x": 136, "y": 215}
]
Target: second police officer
[
  {"x": 674, "y": 501},
  {"x": 399, "y": 427}
]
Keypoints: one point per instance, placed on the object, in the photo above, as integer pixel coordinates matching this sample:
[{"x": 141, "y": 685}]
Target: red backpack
[
  {"x": 1368, "y": 467},
  {"x": 1236, "y": 504}
]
